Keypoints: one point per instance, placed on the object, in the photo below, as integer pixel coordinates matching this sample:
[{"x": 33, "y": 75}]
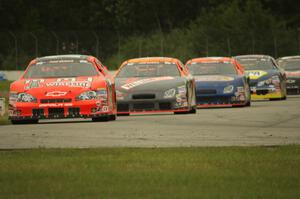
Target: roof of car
[
  {"x": 205, "y": 59},
  {"x": 60, "y": 57},
  {"x": 253, "y": 56},
  {"x": 152, "y": 59},
  {"x": 290, "y": 57}
]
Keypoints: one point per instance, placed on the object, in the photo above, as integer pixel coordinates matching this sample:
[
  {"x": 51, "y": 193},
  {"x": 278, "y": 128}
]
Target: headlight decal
[
  {"x": 13, "y": 97},
  {"x": 228, "y": 89},
  {"x": 93, "y": 95},
  {"x": 25, "y": 97}
]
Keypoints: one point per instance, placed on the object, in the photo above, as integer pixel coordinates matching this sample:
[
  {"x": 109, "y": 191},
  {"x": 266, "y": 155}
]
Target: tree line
[{"x": 115, "y": 30}]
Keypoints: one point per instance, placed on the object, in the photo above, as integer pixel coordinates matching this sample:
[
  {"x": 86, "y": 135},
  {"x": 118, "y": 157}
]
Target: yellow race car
[{"x": 267, "y": 79}]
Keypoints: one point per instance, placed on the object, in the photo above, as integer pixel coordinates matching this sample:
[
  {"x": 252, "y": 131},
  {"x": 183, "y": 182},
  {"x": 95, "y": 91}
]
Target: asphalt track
[{"x": 264, "y": 123}]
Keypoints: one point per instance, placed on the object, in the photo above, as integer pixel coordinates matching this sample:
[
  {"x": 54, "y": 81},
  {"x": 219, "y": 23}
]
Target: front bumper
[
  {"x": 81, "y": 109},
  {"x": 150, "y": 106},
  {"x": 204, "y": 101},
  {"x": 293, "y": 86},
  {"x": 266, "y": 93}
]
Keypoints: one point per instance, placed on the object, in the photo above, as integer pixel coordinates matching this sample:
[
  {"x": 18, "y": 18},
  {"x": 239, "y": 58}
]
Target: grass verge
[
  {"x": 221, "y": 172},
  {"x": 4, "y": 90}
]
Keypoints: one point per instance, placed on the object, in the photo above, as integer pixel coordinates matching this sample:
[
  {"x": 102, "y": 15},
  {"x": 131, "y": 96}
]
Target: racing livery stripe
[{"x": 145, "y": 81}]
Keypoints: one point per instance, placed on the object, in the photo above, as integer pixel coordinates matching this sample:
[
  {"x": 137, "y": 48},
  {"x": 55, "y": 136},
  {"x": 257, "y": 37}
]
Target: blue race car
[{"x": 220, "y": 82}]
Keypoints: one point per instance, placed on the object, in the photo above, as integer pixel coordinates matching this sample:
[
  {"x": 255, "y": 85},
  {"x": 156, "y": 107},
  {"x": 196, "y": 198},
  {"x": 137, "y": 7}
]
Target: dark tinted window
[
  {"x": 61, "y": 68},
  {"x": 149, "y": 70},
  {"x": 212, "y": 68}
]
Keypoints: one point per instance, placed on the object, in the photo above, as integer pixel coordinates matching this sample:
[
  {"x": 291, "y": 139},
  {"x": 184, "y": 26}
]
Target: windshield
[
  {"x": 61, "y": 68},
  {"x": 155, "y": 69},
  {"x": 290, "y": 64},
  {"x": 212, "y": 68},
  {"x": 256, "y": 63}
]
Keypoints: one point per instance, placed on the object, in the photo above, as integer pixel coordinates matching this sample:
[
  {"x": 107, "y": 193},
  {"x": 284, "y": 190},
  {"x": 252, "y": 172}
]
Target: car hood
[
  {"x": 58, "y": 87},
  {"x": 260, "y": 75},
  {"x": 215, "y": 80},
  {"x": 154, "y": 84},
  {"x": 293, "y": 73}
]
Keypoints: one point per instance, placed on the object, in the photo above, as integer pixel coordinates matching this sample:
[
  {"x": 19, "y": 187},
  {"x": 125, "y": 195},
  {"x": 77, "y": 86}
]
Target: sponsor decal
[
  {"x": 100, "y": 109},
  {"x": 61, "y": 61},
  {"x": 56, "y": 105},
  {"x": 144, "y": 81},
  {"x": 70, "y": 79},
  {"x": 33, "y": 83},
  {"x": 214, "y": 78},
  {"x": 105, "y": 108},
  {"x": 71, "y": 82},
  {"x": 255, "y": 74},
  {"x": 84, "y": 84},
  {"x": 212, "y": 61},
  {"x": 56, "y": 93}
]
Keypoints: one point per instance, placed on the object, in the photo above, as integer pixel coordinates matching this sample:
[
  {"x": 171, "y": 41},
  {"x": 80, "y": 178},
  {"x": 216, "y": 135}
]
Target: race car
[
  {"x": 267, "y": 79},
  {"x": 291, "y": 65},
  {"x": 220, "y": 82},
  {"x": 155, "y": 84},
  {"x": 65, "y": 86}
]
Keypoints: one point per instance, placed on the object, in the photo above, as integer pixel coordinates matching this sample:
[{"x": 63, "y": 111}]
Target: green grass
[
  {"x": 230, "y": 172},
  {"x": 4, "y": 90}
]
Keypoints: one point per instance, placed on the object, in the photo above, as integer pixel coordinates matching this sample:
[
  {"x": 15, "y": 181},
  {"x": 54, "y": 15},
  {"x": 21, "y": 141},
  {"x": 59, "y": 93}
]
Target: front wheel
[
  {"x": 248, "y": 103},
  {"x": 123, "y": 114},
  {"x": 113, "y": 117},
  {"x": 193, "y": 110},
  {"x": 105, "y": 118},
  {"x": 283, "y": 98}
]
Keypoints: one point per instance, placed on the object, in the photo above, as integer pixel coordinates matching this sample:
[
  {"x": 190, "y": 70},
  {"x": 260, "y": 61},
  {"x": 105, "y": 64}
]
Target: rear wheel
[{"x": 27, "y": 121}]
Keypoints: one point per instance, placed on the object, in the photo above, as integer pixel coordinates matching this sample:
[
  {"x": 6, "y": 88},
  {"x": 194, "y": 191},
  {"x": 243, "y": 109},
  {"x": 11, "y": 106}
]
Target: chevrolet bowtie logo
[{"x": 56, "y": 94}]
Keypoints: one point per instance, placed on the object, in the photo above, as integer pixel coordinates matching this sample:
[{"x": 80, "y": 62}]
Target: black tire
[
  {"x": 26, "y": 121},
  {"x": 181, "y": 112},
  {"x": 113, "y": 117},
  {"x": 101, "y": 119},
  {"x": 283, "y": 98},
  {"x": 193, "y": 110},
  {"x": 248, "y": 103},
  {"x": 275, "y": 99},
  {"x": 123, "y": 114}
]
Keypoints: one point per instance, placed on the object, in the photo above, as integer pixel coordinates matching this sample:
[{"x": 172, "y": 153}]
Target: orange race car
[
  {"x": 66, "y": 86},
  {"x": 155, "y": 84}
]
